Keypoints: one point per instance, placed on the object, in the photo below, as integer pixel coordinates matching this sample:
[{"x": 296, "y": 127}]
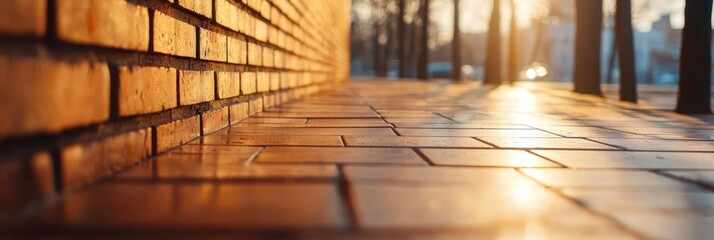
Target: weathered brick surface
[
  {"x": 274, "y": 81},
  {"x": 263, "y": 82},
  {"x": 202, "y": 7},
  {"x": 195, "y": 87},
  {"x": 237, "y": 51},
  {"x": 84, "y": 163},
  {"x": 172, "y": 36},
  {"x": 228, "y": 14},
  {"x": 214, "y": 120},
  {"x": 248, "y": 83},
  {"x": 261, "y": 31},
  {"x": 23, "y": 17},
  {"x": 110, "y": 23},
  {"x": 40, "y": 95},
  {"x": 105, "y": 73},
  {"x": 213, "y": 46},
  {"x": 146, "y": 90},
  {"x": 239, "y": 111},
  {"x": 176, "y": 133},
  {"x": 228, "y": 84},
  {"x": 255, "y": 54}
]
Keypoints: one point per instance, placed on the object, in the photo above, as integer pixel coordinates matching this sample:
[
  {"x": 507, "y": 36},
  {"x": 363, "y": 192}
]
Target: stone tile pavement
[{"x": 421, "y": 160}]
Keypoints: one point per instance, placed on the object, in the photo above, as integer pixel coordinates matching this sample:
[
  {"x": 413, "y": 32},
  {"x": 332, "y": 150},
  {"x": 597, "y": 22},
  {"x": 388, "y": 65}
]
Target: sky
[{"x": 475, "y": 14}]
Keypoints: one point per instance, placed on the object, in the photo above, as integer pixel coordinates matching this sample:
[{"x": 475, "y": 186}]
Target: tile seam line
[{"x": 584, "y": 206}]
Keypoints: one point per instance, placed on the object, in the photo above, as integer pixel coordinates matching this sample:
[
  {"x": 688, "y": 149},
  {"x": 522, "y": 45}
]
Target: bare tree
[
  {"x": 695, "y": 64},
  {"x": 586, "y": 75},
  {"x": 625, "y": 50},
  {"x": 513, "y": 46},
  {"x": 423, "y": 65},
  {"x": 456, "y": 46},
  {"x": 493, "y": 51}
]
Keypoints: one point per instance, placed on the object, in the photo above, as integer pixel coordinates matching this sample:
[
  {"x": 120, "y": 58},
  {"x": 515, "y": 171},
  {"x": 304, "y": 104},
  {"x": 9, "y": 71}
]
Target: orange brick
[
  {"x": 202, "y": 7},
  {"x": 176, "y": 133},
  {"x": 110, "y": 23},
  {"x": 214, "y": 120},
  {"x": 213, "y": 46},
  {"x": 237, "y": 51},
  {"x": 279, "y": 61},
  {"x": 146, "y": 90},
  {"x": 23, "y": 17},
  {"x": 25, "y": 181},
  {"x": 274, "y": 81},
  {"x": 195, "y": 87},
  {"x": 255, "y": 53},
  {"x": 256, "y": 105},
  {"x": 40, "y": 95},
  {"x": 85, "y": 163},
  {"x": 239, "y": 111},
  {"x": 174, "y": 37},
  {"x": 263, "y": 82},
  {"x": 248, "y": 23},
  {"x": 254, "y": 4},
  {"x": 248, "y": 83},
  {"x": 228, "y": 14},
  {"x": 267, "y": 57},
  {"x": 261, "y": 31},
  {"x": 229, "y": 84}
]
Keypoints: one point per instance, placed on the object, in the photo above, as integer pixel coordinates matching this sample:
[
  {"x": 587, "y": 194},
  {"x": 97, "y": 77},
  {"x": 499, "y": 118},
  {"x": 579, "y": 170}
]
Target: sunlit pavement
[{"x": 409, "y": 159}]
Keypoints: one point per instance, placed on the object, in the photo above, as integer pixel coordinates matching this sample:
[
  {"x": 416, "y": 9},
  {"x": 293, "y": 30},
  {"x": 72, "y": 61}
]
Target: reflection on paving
[{"x": 420, "y": 160}]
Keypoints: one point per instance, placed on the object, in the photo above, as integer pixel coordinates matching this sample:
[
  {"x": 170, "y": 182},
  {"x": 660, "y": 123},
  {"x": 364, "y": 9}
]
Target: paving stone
[
  {"x": 655, "y": 215},
  {"x": 319, "y": 125},
  {"x": 633, "y": 160},
  {"x": 436, "y": 175},
  {"x": 659, "y": 145},
  {"x": 545, "y": 143},
  {"x": 200, "y": 206},
  {"x": 706, "y": 177},
  {"x": 395, "y": 141},
  {"x": 603, "y": 178},
  {"x": 346, "y": 121},
  {"x": 461, "y": 125},
  {"x": 475, "y": 133},
  {"x": 223, "y": 167},
  {"x": 339, "y": 155},
  {"x": 589, "y": 132},
  {"x": 486, "y": 158},
  {"x": 275, "y": 120},
  {"x": 365, "y": 114},
  {"x": 509, "y": 210},
  {"x": 425, "y": 120},
  {"x": 312, "y": 131},
  {"x": 269, "y": 140}
]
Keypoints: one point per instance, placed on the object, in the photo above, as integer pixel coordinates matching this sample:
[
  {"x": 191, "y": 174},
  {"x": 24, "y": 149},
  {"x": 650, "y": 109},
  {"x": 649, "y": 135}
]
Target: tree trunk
[
  {"x": 401, "y": 41},
  {"x": 695, "y": 64},
  {"x": 588, "y": 33},
  {"x": 625, "y": 51},
  {"x": 611, "y": 62},
  {"x": 493, "y": 51},
  {"x": 378, "y": 58},
  {"x": 513, "y": 47},
  {"x": 456, "y": 46},
  {"x": 423, "y": 65}
]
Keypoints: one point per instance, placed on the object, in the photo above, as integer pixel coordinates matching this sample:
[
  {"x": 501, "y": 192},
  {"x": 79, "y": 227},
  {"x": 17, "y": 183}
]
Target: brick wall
[{"x": 89, "y": 87}]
